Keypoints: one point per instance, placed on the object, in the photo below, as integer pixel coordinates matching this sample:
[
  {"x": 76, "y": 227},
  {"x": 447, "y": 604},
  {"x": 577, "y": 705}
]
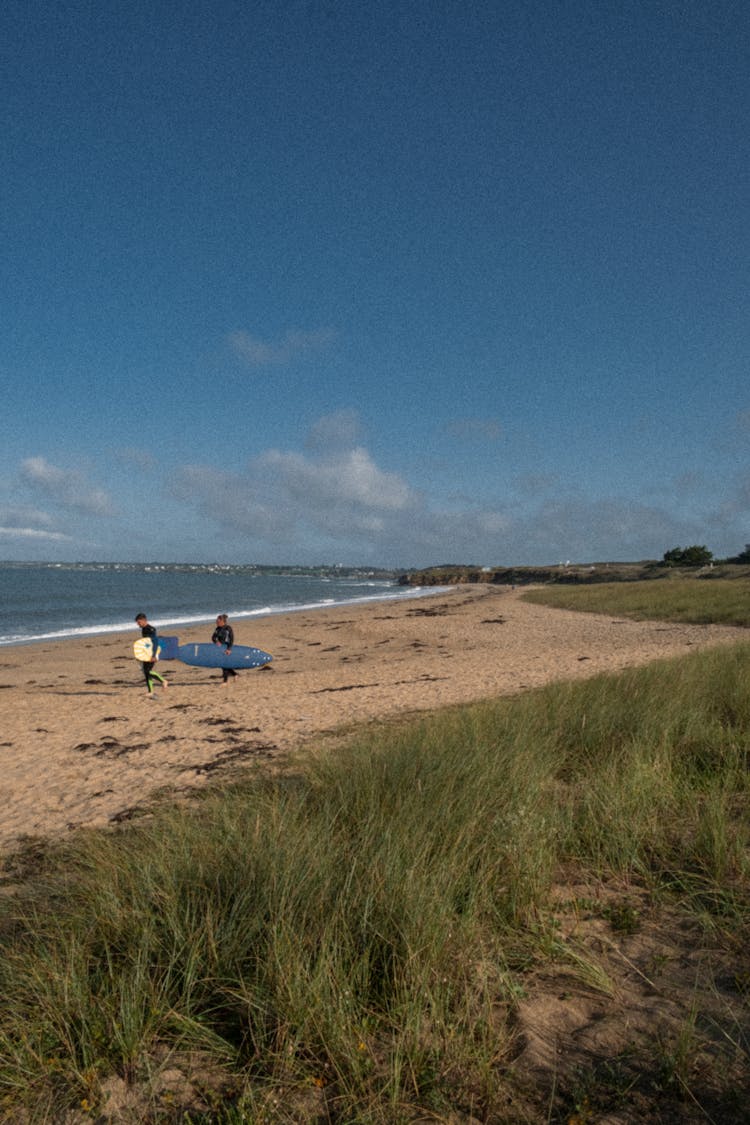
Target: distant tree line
[{"x": 699, "y": 556}]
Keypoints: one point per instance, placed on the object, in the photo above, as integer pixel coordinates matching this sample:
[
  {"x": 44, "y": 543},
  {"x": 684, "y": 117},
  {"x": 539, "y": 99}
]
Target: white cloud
[
  {"x": 67, "y": 487},
  {"x": 277, "y": 353},
  {"x": 335, "y": 500},
  {"x": 24, "y": 523},
  {"x": 33, "y": 533},
  {"x": 13, "y": 516},
  {"x": 350, "y": 478},
  {"x": 340, "y": 430},
  {"x": 286, "y": 495},
  {"x": 597, "y": 530},
  {"x": 233, "y": 501}
]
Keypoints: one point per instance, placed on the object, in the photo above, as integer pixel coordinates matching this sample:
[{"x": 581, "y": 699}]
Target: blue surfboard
[
  {"x": 168, "y": 647},
  {"x": 215, "y": 656}
]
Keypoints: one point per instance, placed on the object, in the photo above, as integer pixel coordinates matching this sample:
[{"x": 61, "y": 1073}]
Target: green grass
[
  {"x": 348, "y": 944},
  {"x": 697, "y": 601}
]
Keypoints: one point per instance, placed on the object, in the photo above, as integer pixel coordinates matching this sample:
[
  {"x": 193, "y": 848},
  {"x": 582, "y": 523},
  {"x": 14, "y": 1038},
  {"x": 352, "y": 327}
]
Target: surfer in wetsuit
[
  {"x": 224, "y": 635},
  {"x": 148, "y": 665}
]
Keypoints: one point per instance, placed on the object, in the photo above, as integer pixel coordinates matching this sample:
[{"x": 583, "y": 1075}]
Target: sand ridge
[{"x": 82, "y": 744}]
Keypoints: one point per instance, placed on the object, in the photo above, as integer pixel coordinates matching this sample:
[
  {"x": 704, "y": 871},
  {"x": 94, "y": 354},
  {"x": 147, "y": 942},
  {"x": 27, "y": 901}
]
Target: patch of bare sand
[{"x": 641, "y": 1013}]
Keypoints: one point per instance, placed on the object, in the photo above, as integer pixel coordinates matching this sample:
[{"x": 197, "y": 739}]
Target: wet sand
[{"x": 82, "y": 744}]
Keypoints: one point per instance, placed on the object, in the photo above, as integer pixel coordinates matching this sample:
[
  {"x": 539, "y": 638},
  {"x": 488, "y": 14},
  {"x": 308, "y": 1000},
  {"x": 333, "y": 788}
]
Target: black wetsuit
[
  {"x": 224, "y": 635},
  {"x": 149, "y": 674}
]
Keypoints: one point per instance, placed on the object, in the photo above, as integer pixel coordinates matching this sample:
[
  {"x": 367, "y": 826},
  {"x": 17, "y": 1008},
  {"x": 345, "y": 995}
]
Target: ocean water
[{"x": 56, "y": 600}]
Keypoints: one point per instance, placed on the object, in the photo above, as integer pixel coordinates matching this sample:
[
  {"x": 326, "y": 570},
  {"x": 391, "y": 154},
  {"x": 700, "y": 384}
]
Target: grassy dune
[
  {"x": 697, "y": 601},
  {"x": 361, "y": 942}
]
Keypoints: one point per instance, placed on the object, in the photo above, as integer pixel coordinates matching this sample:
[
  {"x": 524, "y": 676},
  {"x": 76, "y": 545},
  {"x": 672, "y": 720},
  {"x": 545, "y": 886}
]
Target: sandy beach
[{"x": 82, "y": 743}]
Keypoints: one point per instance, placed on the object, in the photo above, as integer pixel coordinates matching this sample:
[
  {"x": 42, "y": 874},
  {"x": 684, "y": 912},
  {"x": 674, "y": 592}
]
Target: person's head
[
  {"x": 221, "y": 619},
  {"x": 141, "y": 619}
]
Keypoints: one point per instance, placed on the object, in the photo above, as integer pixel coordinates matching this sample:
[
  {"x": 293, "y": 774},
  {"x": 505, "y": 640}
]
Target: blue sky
[{"x": 399, "y": 284}]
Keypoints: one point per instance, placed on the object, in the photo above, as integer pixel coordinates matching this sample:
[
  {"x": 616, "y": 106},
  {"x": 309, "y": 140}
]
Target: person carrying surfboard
[
  {"x": 223, "y": 635},
  {"x": 148, "y": 632}
]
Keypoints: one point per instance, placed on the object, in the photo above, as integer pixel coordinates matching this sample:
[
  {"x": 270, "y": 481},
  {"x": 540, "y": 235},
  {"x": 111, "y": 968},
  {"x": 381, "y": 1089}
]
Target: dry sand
[{"x": 82, "y": 744}]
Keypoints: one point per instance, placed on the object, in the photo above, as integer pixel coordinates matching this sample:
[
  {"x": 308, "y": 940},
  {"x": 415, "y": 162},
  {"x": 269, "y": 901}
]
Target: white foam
[{"x": 170, "y": 621}]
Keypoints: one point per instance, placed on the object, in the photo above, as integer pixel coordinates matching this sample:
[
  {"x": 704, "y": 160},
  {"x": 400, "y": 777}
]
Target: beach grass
[
  {"x": 697, "y": 601},
  {"x": 352, "y": 942}
]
